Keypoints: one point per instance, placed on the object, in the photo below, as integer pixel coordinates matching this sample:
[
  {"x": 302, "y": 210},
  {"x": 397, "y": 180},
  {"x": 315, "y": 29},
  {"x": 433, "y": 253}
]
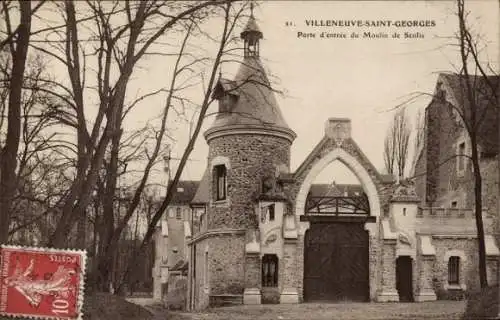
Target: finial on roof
[{"x": 251, "y": 9}]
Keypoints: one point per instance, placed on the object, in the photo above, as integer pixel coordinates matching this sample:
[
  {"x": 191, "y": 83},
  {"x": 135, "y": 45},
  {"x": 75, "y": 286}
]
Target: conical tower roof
[{"x": 255, "y": 105}]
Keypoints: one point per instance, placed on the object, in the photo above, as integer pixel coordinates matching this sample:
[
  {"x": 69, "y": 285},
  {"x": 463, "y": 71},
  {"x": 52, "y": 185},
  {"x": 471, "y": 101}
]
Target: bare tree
[
  {"x": 480, "y": 101},
  {"x": 231, "y": 16},
  {"x": 18, "y": 43},
  {"x": 418, "y": 135},
  {"x": 396, "y": 144},
  {"x": 119, "y": 49}
]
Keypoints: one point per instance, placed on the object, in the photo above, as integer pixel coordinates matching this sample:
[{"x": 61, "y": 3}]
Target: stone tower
[{"x": 249, "y": 144}]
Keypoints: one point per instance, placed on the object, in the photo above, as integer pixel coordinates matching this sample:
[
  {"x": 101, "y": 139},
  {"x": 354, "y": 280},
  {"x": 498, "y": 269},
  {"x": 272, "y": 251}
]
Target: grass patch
[
  {"x": 103, "y": 306},
  {"x": 482, "y": 304}
]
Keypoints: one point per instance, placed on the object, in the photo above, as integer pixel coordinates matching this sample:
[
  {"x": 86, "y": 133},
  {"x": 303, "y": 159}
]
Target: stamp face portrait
[{"x": 41, "y": 283}]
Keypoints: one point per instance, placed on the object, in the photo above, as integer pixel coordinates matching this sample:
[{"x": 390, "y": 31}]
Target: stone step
[{"x": 221, "y": 300}]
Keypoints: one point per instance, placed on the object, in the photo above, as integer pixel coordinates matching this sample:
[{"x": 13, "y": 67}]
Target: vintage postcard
[{"x": 290, "y": 159}]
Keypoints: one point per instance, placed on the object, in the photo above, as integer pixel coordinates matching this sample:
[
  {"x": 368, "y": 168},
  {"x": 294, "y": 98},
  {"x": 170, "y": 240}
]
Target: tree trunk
[
  {"x": 8, "y": 180},
  {"x": 478, "y": 207}
]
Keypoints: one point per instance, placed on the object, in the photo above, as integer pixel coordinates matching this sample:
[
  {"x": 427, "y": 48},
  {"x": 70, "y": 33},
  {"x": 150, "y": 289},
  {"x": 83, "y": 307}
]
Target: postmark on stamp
[{"x": 42, "y": 283}]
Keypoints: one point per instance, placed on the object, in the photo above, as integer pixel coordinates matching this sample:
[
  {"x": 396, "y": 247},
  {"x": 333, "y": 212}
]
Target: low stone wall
[{"x": 177, "y": 291}]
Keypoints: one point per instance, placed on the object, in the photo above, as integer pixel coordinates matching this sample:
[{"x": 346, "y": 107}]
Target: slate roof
[
  {"x": 321, "y": 189},
  {"x": 256, "y": 103},
  {"x": 487, "y": 106},
  {"x": 184, "y": 192},
  {"x": 201, "y": 196}
]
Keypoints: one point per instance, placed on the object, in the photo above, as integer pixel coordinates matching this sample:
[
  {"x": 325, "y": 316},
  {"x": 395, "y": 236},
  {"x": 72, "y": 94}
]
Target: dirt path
[{"x": 438, "y": 310}]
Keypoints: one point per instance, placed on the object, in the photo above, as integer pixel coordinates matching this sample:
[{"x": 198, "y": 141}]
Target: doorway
[
  {"x": 336, "y": 263},
  {"x": 404, "y": 278}
]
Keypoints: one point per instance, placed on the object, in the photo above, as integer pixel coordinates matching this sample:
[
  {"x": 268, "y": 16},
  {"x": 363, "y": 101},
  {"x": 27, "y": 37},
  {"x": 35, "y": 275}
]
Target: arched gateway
[
  {"x": 336, "y": 252},
  {"x": 258, "y": 237}
]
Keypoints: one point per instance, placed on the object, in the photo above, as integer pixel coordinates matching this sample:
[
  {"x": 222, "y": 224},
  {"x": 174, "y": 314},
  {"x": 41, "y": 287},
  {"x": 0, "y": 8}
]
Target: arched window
[
  {"x": 454, "y": 270},
  {"x": 269, "y": 270},
  {"x": 178, "y": 214},
  {"x": 220, "y": 182}
]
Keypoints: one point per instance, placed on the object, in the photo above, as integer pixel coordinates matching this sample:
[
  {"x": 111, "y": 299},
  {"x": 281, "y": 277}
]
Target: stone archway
[
  {"x": 350, "y": 162},
  {"x": 337, "y": 145}
]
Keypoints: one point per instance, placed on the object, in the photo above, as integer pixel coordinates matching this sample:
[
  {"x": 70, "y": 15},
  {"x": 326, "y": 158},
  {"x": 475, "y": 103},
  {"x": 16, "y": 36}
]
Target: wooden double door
[{"x": 336, "y": 262}]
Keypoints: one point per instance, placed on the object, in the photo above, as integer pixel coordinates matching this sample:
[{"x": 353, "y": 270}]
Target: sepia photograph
[{"x": 249, "y": 160}]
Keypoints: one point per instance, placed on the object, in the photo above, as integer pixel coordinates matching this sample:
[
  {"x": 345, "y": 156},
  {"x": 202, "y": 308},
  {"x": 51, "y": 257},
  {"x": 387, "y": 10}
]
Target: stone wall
[
  {"x": 468, "y": 263},
  {"x": 200, "y": 292},
  {"x": 300, "y": 267},
  {"x": 227, "y": 264},
  {"x": 439, "y": 221},
  {"x": 438, "y": 181},
  {"x": 251, "y": 158},
  {"x": 489, "y": 173}
]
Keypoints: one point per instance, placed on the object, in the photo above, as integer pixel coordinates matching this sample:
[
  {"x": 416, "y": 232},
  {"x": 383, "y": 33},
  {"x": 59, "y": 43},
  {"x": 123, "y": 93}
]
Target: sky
[{"x": 363, "y": 79}]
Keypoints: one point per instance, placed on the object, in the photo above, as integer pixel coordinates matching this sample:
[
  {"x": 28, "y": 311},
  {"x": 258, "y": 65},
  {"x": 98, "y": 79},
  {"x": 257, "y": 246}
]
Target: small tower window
[
  {"x": 270, "y": 210},
  {"x": 454, "y": 270},
  {"x": 220, "y": 180},
  {"x": 178, "y": 214},
  {"x": 461, "y": 158},
  {"x": 269, "y": 270}
]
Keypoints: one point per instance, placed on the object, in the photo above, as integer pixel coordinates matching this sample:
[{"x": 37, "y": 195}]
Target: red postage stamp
[{"x": 41, "y": 283}]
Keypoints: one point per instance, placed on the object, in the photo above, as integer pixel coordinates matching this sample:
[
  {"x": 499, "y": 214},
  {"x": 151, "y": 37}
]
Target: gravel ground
[{"x": 328, "y": 311}]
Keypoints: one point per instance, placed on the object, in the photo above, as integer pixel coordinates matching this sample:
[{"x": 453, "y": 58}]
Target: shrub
[{"x": 482, "y": 304}]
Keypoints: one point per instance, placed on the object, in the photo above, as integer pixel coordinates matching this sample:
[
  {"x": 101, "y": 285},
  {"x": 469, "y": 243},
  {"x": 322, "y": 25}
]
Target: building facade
[
  {"x": 444, "y": 175},
  {"x": 264, "y": 234},
  {"x": 170, "y": 239}
]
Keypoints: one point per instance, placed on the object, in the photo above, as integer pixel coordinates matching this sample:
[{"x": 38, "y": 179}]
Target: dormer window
[
  {"x": 226, "y": 102},
  {"x": 220, "y": 182}
]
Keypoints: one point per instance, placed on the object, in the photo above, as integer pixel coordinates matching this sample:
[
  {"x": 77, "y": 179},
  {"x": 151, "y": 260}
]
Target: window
[
  {"x": 454, "y": 204},
  {"x": 404, "y": 212},
  {"x": 171, "y": 213},
  {"x": 461, "y": 158},
  {"x": 220, "y": 178},
  {"x": 178, "y": 214},
  {"x": 205, "y": 270},
  {"x": 269, "y": 270},
  {"x": 270, "y": 210},
  {"x": 454, "y": 270}
]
